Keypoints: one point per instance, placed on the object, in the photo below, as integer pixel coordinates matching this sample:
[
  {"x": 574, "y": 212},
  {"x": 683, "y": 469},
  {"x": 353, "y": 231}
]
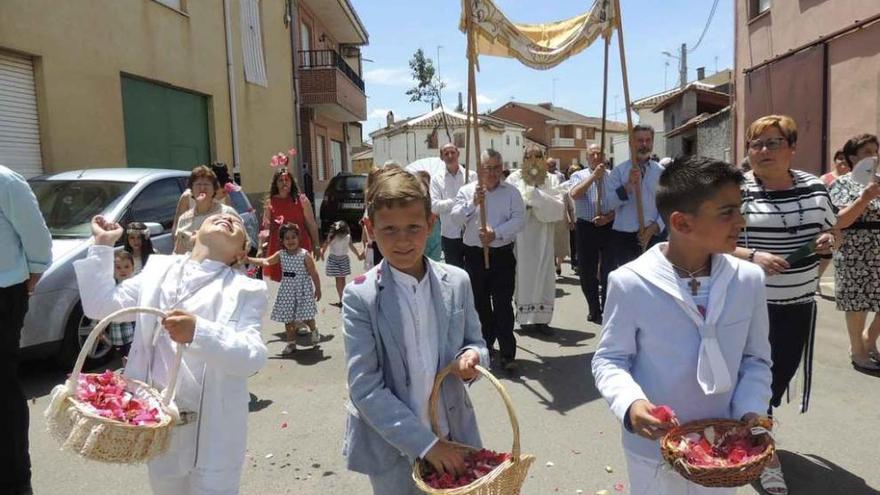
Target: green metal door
[{"x": 164, "y": 127}]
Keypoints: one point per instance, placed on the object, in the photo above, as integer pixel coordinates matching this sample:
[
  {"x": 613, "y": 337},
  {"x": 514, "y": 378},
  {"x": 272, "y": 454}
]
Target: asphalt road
[{"x": 297, "y": 418}]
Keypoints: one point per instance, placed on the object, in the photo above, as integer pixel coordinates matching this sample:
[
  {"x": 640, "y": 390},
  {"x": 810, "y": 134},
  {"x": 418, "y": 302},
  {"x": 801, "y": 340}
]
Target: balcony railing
[
  {"x": 562, "y": 142},
  {"x": 323, "y": 59}
]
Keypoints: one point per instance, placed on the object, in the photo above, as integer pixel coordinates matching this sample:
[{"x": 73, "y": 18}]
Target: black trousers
[
  {"x": 792, "y": 327},
  {"x": 625, "y": 247},
  {"x": 453, "y": 251},
  {"x": 593, "y": 246},
  {"x": 572, "y": 245},
  {"x": 15, "y": 462},
  {"x": 493, "y": 295}
]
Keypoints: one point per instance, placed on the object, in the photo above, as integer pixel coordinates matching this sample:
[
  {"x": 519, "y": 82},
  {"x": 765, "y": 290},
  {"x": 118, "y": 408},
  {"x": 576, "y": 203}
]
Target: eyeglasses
[{"x": 772, "y": 144}]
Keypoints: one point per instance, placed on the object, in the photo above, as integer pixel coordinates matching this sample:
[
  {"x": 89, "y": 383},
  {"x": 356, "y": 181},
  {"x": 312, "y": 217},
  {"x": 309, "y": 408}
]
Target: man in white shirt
[
  {"x": 444, "y": 189},
  {"x": 505, "y": 217}
]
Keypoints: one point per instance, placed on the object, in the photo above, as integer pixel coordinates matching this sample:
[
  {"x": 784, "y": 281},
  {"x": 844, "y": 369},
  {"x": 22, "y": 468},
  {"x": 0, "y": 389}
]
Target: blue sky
[{"x": 398, "y": 27}]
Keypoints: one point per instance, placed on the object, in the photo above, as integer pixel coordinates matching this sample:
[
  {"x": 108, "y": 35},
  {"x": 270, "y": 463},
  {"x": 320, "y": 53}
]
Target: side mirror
[{"x": 154, "y": 228}]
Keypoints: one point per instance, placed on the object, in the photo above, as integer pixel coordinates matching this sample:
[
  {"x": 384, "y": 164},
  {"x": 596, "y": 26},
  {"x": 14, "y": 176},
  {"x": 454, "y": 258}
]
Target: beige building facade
[
  {"x": 145, "y": 83},
  {"x": 815, "y": 60}
]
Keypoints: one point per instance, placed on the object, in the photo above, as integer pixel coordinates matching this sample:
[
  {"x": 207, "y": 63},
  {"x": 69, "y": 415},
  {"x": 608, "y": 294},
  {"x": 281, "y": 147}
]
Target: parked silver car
[{"x": 55, "y": 325}]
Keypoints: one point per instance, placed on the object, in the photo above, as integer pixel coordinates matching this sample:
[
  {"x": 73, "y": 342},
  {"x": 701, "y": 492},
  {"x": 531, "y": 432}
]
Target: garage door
[
  {"x": 19, "y": 124},
  {"x": 164, "y": 127}
]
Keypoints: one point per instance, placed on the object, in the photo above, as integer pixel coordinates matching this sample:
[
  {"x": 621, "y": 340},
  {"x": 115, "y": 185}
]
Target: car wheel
[{"x": 75, "y": 334}]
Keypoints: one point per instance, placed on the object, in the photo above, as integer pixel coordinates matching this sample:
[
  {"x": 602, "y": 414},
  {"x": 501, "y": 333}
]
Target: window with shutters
[
  {"x": 459, "y": 139},
  {"x": 759, "y": 7},
  {"x": 432, "y": 141},
  {"x": 252, "y": 43},
  {"x": 179, "y": 5}
]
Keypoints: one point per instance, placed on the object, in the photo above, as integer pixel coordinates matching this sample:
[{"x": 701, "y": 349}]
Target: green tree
[{"x": 429, "y": 87}]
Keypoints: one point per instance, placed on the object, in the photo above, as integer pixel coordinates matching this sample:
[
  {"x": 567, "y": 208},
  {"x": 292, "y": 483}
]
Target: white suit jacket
[
  {"x": 652, "y": 348},
  {"x": 231, "y": 348}
]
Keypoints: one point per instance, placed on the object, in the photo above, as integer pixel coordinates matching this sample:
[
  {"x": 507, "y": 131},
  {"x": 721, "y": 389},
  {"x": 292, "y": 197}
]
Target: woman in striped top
[{"x": 785, "y": 211}]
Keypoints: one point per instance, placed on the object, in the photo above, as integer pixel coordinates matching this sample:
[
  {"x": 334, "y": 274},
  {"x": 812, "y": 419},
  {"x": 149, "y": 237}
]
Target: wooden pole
[
  {"x": 629, "y": 124},
  {"x": 472, "y": 99},
  {"x": 600, "y": 185}
]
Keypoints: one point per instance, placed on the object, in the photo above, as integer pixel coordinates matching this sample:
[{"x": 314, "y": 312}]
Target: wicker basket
[
  {"x": 714, "y": 477},
  {"x": 507, "y": 478},
  {"x": 97, "y": 438}
]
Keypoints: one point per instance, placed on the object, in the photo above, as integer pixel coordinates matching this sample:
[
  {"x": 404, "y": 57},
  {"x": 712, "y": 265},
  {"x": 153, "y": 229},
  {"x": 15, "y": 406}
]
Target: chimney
[
  {"x": 547, "y": 105},
  {"x": 460, "y": 107},
  {"x": 389, "y": 119},
  {"x": 701, "y": 73}
]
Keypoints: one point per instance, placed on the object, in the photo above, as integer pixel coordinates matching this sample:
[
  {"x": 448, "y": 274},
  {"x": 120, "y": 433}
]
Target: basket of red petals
[
  {"x": 488, "y": 472},
  {"x": 718, "y": 452},
  {"x": 109, "y": 418}
]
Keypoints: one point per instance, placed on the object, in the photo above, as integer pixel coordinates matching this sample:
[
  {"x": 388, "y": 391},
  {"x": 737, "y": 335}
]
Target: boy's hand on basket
[
  {"x": 446, "y": 458},
  {"x": 466, "y": 365},
  {"x": 106, "y": 232},
  {"x": 645, "y": 424},
  {"x": 181, "y": 326}
]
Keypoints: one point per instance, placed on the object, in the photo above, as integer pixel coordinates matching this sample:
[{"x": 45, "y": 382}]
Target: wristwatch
[{"x": 752, "y": 254}]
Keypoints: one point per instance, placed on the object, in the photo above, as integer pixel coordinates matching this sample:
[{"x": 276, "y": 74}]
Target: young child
[
  {"x": 138, "y": 243},
  {"x": 214, "y": 309},
  {"x": 685, "y": 325},
  {"x": 404, "y": 320},
  {"x": 338, "y": 264},
  {"x": 120, "y": 334},
  {"x": 300, "y": 287}
]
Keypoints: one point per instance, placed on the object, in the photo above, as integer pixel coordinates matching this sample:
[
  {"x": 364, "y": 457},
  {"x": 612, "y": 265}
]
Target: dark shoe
[
  {"x": 595, "y": 318},
  {"x": 866, "y": 366},
  {"x": 509, "y": 365},
  {"x": 558, "y": 271}
]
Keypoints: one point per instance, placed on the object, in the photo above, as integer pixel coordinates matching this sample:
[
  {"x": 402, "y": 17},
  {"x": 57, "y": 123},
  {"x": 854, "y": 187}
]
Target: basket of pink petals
[
  {"x": 107, "y": 417},
  {"x": 719, "y": 452}
]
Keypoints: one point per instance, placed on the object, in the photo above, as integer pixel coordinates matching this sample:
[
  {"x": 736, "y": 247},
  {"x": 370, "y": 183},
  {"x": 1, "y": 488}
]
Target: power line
[{"x": 706, "y": 27}]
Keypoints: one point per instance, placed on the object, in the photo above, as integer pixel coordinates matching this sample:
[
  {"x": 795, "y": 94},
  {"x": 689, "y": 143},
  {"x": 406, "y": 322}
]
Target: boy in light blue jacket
[
  {"x": 685, "y": 325},
  {"x": 405, "y": 320}
]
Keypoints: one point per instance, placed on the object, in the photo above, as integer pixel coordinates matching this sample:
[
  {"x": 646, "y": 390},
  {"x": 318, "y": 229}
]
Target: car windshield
[{"x": 69, "y": 205}]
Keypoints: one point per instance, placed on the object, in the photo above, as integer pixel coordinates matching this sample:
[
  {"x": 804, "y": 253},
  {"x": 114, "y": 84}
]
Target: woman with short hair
[
  {"x": 857, "y": 263},
  {"x": 203, "y": 185},
  {"x": 789, "y": 219}
]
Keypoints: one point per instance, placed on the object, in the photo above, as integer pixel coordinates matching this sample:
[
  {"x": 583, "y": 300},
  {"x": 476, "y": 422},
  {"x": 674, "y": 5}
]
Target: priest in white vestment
[{"x": 535, "y": 267}]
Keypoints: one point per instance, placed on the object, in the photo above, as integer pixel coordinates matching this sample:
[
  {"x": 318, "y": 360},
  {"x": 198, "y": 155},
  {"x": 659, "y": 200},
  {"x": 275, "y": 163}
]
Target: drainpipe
[
  {"x": 230, "y": 75},
  {"x": 294, "y": 64}
]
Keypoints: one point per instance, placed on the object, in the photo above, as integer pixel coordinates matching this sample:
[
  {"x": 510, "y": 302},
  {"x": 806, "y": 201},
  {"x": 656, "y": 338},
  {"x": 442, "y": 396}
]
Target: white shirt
[
  {"x": 444, "y": 188},
  {"x": 505, "y": 214},
  {"x": 339, "y": 245},
  {"x": 421, "y": 336},
  {"x": 200, "y": 293}
]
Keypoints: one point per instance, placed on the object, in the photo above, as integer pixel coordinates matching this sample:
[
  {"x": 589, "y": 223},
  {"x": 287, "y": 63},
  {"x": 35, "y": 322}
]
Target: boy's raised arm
[
  {"x": 375, "y": 403},
  {"x": 617, "y": 347},
  {"x": 752, "y": 393}
]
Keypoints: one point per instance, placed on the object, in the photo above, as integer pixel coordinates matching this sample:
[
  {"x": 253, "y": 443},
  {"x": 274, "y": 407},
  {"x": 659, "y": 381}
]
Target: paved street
[{"x": 831, "y": 450}]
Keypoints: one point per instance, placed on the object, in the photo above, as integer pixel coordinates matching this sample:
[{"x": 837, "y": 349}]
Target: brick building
[
  {"x": 332, "y": 98},
  {"x": 565, "y": 134}
]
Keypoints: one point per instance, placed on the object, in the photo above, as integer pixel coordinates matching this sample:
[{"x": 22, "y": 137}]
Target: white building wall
[
  {"x": 655, "y": 120},
  {"x": 407, "y": 147}
]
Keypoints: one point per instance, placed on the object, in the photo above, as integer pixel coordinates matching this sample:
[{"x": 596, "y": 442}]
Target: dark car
[{"x": 344, "y": 200}]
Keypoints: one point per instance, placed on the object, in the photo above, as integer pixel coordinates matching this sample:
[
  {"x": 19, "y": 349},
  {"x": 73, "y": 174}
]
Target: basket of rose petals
[
  {"x": 487, "y": 472},
  {"x": 106, "y": 417},
  {"x": 719, "y": 452}
]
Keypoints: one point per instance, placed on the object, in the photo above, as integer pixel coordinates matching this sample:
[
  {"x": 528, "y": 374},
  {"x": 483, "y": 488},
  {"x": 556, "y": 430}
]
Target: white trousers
[
  {"x": 652, "y": 477},
  {"x": 196, "y": 482}
]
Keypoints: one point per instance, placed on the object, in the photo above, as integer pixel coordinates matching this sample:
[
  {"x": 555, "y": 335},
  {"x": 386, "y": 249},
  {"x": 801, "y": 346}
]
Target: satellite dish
[{"x": 865, "y": 171}]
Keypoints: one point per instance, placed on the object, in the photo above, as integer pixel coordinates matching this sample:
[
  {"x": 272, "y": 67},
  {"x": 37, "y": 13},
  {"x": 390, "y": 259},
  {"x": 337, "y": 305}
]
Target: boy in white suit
[
  {"x": 405, "y": 320},
  {"x": 685, "y": 325},
  {"x": 216, "y": 312}
]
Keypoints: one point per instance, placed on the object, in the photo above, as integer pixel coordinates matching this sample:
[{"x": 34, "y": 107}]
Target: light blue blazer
[{"x": 380, "y": 426}]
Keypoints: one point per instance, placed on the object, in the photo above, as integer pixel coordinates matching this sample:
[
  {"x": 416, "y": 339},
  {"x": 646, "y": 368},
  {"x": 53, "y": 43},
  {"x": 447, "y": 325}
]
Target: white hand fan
[{"x": 865, "y": 171}]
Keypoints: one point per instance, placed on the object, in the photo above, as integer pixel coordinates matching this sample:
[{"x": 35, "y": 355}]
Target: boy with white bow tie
[
  {"x": 213, "y": 309},
  {"x": 685, "y": 324}
]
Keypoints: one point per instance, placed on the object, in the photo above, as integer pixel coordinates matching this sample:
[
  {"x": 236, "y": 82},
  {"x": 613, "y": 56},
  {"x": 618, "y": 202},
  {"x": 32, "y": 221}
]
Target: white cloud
[
  {"x": 484, "y": 99},
  {"x": 388, "y": 77},
  {"x": 378, "y": 113}
]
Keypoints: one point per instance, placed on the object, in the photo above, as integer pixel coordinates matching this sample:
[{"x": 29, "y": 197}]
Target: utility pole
[{"x": 683, "y": 67}]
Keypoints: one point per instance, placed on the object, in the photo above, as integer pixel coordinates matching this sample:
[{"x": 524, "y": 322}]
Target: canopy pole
[
  {"x": 600, "y": 186},
  {"x": 629, "y": 125},
  {"x": 472, "y": 104}
]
